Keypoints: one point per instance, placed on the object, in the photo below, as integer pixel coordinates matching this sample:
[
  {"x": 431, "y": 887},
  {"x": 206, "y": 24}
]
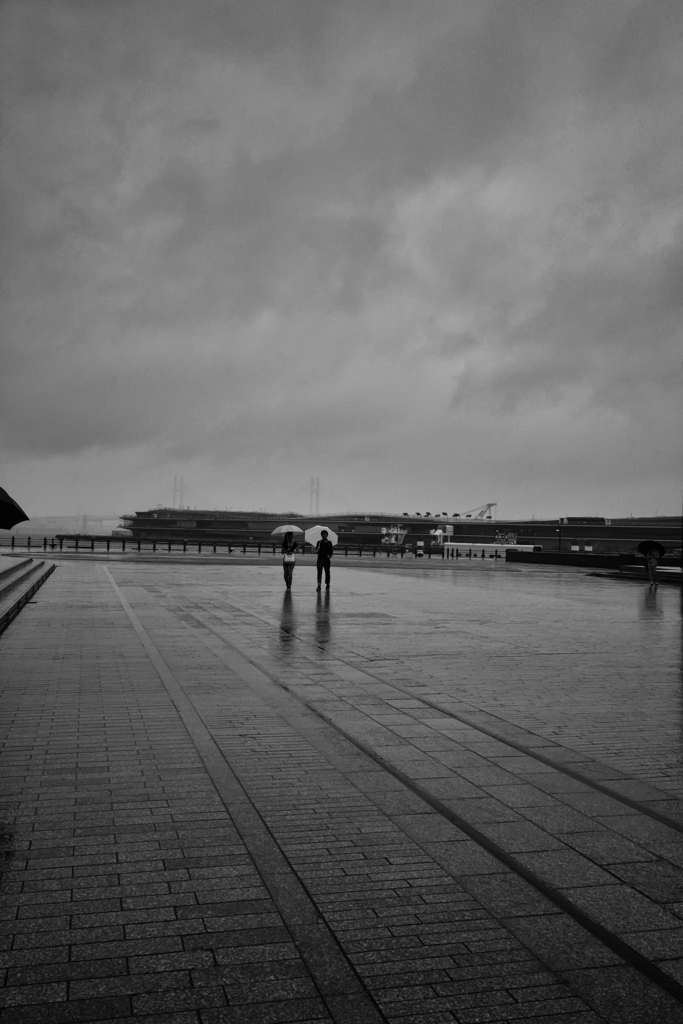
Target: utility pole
[
  {"x": 175, "y": 491},
  {"x": 182, "y": 482}
]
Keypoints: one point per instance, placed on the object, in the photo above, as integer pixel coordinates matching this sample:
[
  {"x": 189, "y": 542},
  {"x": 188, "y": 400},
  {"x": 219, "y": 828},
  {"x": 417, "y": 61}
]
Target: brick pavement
[{"x": 243, "y": 860}]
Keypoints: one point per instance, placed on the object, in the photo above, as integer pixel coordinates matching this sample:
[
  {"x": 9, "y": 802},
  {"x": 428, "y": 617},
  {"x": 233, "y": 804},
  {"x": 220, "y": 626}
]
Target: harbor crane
[{"x": 481, "y": 511}]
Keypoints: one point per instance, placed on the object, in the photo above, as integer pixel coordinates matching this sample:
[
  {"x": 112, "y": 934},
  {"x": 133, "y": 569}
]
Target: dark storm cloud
[{"x": 231, "y": 224}]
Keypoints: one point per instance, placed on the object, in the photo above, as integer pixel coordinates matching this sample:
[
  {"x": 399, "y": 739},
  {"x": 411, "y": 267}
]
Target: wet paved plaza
[{"x": 435, "y": 794}]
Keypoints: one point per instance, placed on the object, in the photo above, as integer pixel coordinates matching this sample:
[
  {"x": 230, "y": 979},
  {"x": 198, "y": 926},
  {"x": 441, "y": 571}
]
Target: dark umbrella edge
[
  {"x": 646, "y": 546},
  {"x": 11, "y": 512}
]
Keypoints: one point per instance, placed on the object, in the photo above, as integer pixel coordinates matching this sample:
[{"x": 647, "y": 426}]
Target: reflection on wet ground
[
  {"x": 267, "y": 785},
  {"x": 323, "y": 631},
  {"x": 650, "y": 607},
  {"x": 593, "y": 662},
  {"x": 288, "y": 623}
]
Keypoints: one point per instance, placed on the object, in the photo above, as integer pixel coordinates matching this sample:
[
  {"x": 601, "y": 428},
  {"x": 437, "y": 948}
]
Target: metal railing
[{"x": 91, "y": 544}]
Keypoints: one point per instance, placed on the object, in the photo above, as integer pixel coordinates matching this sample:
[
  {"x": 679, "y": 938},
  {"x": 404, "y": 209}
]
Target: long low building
[{"x": 212, "y": 526}]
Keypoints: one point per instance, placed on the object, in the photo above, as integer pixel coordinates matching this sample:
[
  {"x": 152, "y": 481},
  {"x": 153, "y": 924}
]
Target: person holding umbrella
[
  {"x": 289, "y": 547},
  {"x": 325, "y": 552},
  {"x": 653, "y": 551}
]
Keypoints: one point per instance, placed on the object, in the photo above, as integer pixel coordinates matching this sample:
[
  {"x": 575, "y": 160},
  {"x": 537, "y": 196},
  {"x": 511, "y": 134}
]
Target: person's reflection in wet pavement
[
  {"x": 287, "y": 625},
  {"x": 649, "y": 607},
  {"x": 322, "y": 620}
]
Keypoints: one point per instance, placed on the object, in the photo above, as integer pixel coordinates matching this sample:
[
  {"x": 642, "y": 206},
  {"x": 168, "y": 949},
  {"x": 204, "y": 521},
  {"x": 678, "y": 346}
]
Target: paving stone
[
  {"x": 115, "y": 810},
  {"x": 607, "y": 848},
  {"x": 562, "y": 868},
  {"x": 659, "y": 881},
  {"x": 620, "y": 908}
]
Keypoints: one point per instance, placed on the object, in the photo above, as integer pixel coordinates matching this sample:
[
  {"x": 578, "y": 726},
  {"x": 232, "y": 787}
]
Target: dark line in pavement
[
  {"x": 343, "y": 992},
  {"x": 600, "y": 787},
  {"x": 571, "y": 772},
  {"x": 603, "y": 934},
  {"x": 608, "y": 938}
]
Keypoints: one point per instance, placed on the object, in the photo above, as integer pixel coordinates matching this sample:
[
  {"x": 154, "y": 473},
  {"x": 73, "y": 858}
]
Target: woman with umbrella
[
  {"x": 653, "y": 551},
  {"x": 289, "y": 547}
]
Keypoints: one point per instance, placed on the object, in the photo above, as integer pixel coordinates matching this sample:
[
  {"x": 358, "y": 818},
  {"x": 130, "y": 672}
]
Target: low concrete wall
[{"x": 597, "y": 561}]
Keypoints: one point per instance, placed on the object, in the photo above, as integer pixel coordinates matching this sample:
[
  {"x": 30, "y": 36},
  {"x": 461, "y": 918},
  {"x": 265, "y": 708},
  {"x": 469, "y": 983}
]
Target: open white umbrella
[
  {"x": 313, "y": 535},
  {"x": 280, "y": 531}
]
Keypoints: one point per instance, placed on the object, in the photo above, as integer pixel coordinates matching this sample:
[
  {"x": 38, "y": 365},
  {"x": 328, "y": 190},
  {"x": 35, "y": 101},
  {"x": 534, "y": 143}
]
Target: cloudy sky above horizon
[{"x": 430, "y": 252}]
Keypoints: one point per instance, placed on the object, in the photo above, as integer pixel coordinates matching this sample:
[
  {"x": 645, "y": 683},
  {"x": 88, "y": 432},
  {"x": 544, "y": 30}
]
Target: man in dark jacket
[{"x": 325, "y": 551}]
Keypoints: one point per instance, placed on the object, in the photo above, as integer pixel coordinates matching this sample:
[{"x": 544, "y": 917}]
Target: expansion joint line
[
  {"x": 342, "y": 990},
  {"x": 626, "y": 952},
  {"x": 471, "y": 722}
]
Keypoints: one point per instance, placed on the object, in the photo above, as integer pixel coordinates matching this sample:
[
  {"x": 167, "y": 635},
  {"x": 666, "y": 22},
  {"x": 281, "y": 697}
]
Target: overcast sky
[{"x": 429, "y": 251}]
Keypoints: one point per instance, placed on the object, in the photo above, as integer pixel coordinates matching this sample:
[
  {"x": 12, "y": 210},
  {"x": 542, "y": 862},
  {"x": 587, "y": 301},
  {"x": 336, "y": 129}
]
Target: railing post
[
  {"x": 199, "y": 547},
  {"x": 374, "y": 551},
  {"x": 61, "y": 541},
  {"x": 259, "y": 548},
  {"x": 154, "y": 545},
  {"x": 108, "y": 543},
  {"x": 214, "y": 549},
  {"x": 360, "y": 550},
  {"x": 44, "y": 543},
  {"x": 123, "y": 545},
  {"x": 184, "y": 546},
  {"x": 28, "y": 543},
  {"x": 139, "y": 545},
  {"x": 169, "y": 547},
  {"x": 273, "y": 549},
  {"x": 12, "y": 542},
  {"x": 92, "y": 544},
  {"x": 76, "y": 543},
  {"x": 244, "y": 549}
]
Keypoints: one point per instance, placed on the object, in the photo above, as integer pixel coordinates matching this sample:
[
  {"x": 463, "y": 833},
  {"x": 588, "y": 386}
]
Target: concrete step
[
  {"x": 13, "y": 568},
  {"x": 20, "y": 588},
  {"x": 20, "y": 575}
]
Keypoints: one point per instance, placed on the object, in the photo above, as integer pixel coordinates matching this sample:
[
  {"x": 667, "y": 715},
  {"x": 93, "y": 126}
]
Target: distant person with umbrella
[
  {"x": 653, "y": 551},
  {"x": 289, "y": 549},
  {"x": 325, "y": 552}
]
